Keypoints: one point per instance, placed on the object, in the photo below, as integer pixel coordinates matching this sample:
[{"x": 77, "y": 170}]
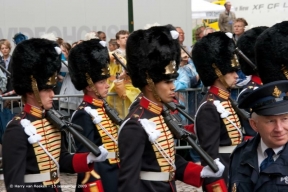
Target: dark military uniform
[
  {"x": 138, "y": 155},
  {"x": 88, "y": 66},
  {"x": 215, "y": 132},
  {"x": 22, "y": 159},
  {"x": 32, "y": 147},
  {"x": 108, "y": 170},
  {"x": 217, "y": 125},
  {"x": 244, "y": 170}
]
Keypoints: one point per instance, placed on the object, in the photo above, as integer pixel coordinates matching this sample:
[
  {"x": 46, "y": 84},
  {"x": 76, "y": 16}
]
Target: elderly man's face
[{"x": 272, "y": 129}]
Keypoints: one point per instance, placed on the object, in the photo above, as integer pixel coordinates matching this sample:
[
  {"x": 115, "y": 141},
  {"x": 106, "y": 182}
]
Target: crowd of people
[{"x": 127, "y": 142}]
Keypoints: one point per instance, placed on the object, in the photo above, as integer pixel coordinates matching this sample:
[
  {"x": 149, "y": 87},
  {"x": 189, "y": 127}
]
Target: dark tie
[{"x": 266, "y": 162}]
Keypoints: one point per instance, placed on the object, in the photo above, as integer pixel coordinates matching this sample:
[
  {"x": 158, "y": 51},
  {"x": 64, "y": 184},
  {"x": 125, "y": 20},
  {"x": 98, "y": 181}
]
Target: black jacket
[{"x": 244, "y": 170}]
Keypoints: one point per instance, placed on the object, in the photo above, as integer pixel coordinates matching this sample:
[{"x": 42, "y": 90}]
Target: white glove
[
  {"x": 102, "y": 157},
  {"x": 207, "y": 171}
]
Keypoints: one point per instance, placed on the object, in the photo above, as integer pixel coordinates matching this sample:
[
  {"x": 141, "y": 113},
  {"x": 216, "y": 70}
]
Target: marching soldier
[
  {"x": 246, "y": 44},
  {"x": 146, "y": 144},
  {"x": 33, "y": 152},
  {"x": 88, "y": 66},
  {"x": 217, "y": 125}
]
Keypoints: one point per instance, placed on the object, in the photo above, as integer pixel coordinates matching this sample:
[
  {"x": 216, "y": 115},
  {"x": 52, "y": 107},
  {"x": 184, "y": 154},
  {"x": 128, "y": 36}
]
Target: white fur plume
[
  {"x": 30, "y": 130},
  {"x": 174, "y": 34},
  {"x": 147, "y": 26},
  {"x": 150, "y": 128},
  {"x": 94, "y": 114},
  {"x": 58, "y": 50},
  {"x": 49, "y": 36},
  {"x": 224, "y": 113},
  {"x": 103, "y": 43}
]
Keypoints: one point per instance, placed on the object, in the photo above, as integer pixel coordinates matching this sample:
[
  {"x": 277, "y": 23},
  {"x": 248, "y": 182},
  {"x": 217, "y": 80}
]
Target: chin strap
[
  {"x": 285, "y": 71},
  {"x": 91, "y": 85},
  {"x": 36, "y": 91},
  {"x": 152, "y": 87},
  {"x": 220, "y": 76}
]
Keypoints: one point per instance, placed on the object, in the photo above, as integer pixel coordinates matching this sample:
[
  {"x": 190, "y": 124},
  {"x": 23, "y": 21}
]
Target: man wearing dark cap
[
  {"x": 217, "y": 125},
  {"x": 88, "y": 67},
  {"x": 260, "y": 164},
  {"x": 33, "y": 152},
  {"x": 146, "y": 144}
]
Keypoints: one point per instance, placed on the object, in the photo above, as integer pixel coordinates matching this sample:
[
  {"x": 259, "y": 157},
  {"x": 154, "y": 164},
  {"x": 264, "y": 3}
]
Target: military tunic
[
  {"x": 21, "y": 158},
  {"x": 137, "y": 154},
  {"x": 214, "y": 131},
  {"x": 107, "y": 170}
]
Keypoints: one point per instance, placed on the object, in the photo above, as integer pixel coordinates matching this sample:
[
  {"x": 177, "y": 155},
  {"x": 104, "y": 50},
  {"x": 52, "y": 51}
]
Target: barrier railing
[{"x": 190, "y": 98}]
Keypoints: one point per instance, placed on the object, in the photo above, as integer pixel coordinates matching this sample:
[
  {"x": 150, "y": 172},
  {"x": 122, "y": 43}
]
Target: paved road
[{"x": 68, "y": 185}]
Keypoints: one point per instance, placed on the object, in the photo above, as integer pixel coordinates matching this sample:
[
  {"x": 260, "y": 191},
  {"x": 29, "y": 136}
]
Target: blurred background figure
[
  {"x": 19, "y": 37},
  {"x": 112, "y": 45},
  {"x": 119, "y": 81},
  {"x": 226, "y": 19},
  {"x": 101, "y": 35},
  {"x": 5, "y": 48},
  {"x": 239, "y": 27}
]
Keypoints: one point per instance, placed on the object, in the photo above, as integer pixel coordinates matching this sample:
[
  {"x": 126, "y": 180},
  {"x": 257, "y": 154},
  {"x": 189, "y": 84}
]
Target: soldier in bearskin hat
[
  {"x": 216, "y": 123},
  {"x": 271, "y": 53},
  {"x": 88, "y": 67},
  {"x": 33, "y": 152},
  {"x": 146, "y": 145},
  {"x": 246, "y": 44}
]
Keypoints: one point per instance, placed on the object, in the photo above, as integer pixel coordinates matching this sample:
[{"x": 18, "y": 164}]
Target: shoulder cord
[
  {"x": 97, "y": 121},
  {"x": 30, "y": 130},
  {"x": 240, "y": 132}
]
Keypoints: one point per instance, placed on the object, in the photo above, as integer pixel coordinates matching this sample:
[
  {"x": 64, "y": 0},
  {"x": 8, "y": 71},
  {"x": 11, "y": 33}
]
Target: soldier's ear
[{"x": 253, "y": 124}]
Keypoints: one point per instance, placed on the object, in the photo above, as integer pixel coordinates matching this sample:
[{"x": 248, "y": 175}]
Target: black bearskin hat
[
  {"x": 89, "y": 57},
  {"x": 150, "y": 52},
  {"x": 246, "y": 44},
  {"x": 215, "y": 48},
  {"x": 271, "y": 50},
  {"x": 39, "y": 58}
]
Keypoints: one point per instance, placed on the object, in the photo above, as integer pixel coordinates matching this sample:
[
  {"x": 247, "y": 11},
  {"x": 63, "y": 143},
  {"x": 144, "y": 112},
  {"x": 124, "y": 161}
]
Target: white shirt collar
[{"x": 263, "y": 147}]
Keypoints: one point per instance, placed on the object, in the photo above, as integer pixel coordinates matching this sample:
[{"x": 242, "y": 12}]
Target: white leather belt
[
  {"x": 227, "y": 149},
  {"x": 40, "y": 177},
  {"x": 156, "y": 176},
  {"x": 111, "y": 155}
]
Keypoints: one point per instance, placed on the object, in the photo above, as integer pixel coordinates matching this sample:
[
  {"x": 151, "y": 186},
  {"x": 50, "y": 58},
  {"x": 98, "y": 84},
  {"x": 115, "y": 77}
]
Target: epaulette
[
  {"x": 136, "y": 113},
  {"x": 82, "y": 105},
  {"x": 210, "y": 97}
]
